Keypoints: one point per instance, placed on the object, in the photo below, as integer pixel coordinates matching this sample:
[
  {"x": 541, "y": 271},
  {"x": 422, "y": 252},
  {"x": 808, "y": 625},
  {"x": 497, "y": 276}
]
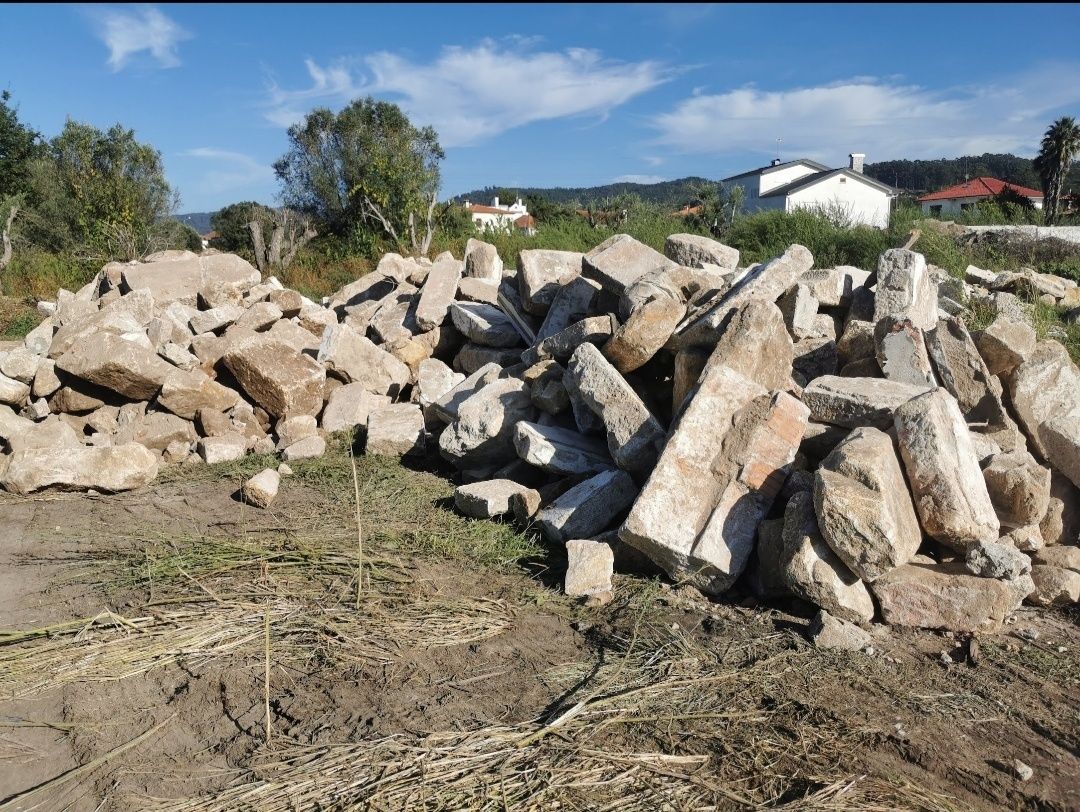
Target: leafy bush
[
  {"x": 17, "y": 317},
  {"x": 39, "y": 274},
  {"x": 767, "y": 234}
]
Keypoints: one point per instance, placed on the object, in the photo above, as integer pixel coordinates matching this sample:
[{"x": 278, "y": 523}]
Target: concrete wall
[
  {"x": 861, "y": 202},
  {"x": 782, "y": 177},
  {"x": 956, "y": 205}
]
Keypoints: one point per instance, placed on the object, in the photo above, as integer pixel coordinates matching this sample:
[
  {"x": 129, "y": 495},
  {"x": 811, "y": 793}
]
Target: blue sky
[{"x": 560, "y": 95}]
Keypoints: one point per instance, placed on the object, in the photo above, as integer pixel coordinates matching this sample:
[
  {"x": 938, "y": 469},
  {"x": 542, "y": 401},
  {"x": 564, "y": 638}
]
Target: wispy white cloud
[
  {"x": 469, "y": 94},
  {"x": 228, "y": 171},
  {"x": 128, "y": 32},
  {"x": 883, "y": 117},
  {"x": 638, "y": 179}
]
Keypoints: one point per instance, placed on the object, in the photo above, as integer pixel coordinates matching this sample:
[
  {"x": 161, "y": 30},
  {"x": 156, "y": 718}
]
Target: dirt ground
[{"x": 174, "y": 649}]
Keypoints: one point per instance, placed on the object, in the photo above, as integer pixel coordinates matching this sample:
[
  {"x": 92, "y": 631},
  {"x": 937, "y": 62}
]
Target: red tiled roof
[
  {"x": 686, "y": 210},
  {"x": 525, "y": 221},
  {"x": 979, "y": 187},
  {"x": 476, "y": 208}
]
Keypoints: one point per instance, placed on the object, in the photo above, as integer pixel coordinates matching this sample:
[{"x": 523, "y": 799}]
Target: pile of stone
[{"x": 835, "y": 434}]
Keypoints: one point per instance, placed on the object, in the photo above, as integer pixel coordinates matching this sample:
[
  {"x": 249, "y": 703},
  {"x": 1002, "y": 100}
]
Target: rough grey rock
[
  {"x": 943, "y": 596},
  {"x": 488, "y": 499},
  {"x": 541, "y": 273},
  {"x": 570, "y": 305},
  {"x": 356, "y": 359},
  {"x": 483, "y": 433},
  {"x": 905, "y": 289},
  {"x": 813, "y": 571},
  {"x": 116, "y": 468},
  {"x": 990, "y": 559},
  {"x": 827, "y": 631},
  {"x": 482, "y": 261},
  {"x": 118, "y": 365},
  {"x": 863, "y": 506},
  {"x": 901, "y": 352},
  {"x": 588, "y": 508},
  {"x": 1005, "y": 344},
  {"x": 589, "y": 567},
  {"x": 619, "y": 261},
  {"x": 349, "y": 406},
  {"x": 438, "y": 292},
  {"x": 634, "y": 436},
  {"x": 262, "y": 488},
  {"x": 1019, "y": 488},
  {"x": 395, "y": 430},
  {"x": 1043, "y": 391},
  {"x": 857, "y": 402},
  {"x": 696, "y": 251},
  {"x": 560, "y": 451},
  {"x": 563, "y": 344},
  {"x": 484, "y": 324}
]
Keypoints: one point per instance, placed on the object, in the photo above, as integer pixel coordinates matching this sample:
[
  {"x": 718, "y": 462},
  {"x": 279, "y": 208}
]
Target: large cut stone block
[
  {"x": 356, "y": 359},
  {"x": 276, "y": 376},
  {"x": 943, "y": 596},
  {"x": 116, "y": 364},
  {"x": 863, "y": 506},
  {"x": 649, "y": 327},
  {"x": 180, "y": 279},
  {"x": 483, "y": 433},
  {"x": 755, "y": 343},
  {"x": 484, "y": 324},
  {"x": 482, "y": 261},
  {"x": 438, "y": 292},
  {"x": 696, "y": 251},
  {"x": 541, "y": 273},
  {"x": 619, "y": 261},
  {"x": 185, "y": 392},
  {"x": 395, "y": 430},
  {"x": 950, "y": 494},
  {"x": 115, "y": 468}
]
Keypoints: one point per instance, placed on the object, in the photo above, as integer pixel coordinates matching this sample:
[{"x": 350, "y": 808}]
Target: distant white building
[
  {"x": 806, "y": 184},
  {"x": 501, "y": 218}
]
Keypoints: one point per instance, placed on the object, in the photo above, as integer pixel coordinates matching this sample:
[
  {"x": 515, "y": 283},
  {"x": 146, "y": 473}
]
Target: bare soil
[{"x": 759, "y": 718}]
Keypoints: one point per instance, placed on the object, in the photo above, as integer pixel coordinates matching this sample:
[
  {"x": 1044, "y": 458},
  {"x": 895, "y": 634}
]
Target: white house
[
  {"x": 501, "y": 218},
  {"x": 964, "y": 196},
  {"x": 806, "y": 184}
]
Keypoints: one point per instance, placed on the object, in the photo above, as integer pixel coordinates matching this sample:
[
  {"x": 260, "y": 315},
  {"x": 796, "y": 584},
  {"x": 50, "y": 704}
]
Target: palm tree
[{"x": 1059, "y": 146}]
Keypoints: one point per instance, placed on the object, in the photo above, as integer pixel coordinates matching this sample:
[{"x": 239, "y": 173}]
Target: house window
[
  {"x": 935, "y": 209},
  {"x": 965, "y": 207},
  {"x": 843, "y": 180}
]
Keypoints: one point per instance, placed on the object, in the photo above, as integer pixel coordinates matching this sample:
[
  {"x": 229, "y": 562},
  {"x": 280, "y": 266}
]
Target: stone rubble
[{"x": 831, "y": 435}]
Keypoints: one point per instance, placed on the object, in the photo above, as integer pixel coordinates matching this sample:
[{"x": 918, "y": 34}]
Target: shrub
[
  {"x": 764, "y": 235},
  {"x": 39, "y": 274}
]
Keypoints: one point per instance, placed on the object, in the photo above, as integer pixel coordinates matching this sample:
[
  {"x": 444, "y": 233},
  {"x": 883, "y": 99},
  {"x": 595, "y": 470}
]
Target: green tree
[
  {"x": 100, "y": 194},
  {"x": 231, "y": 225},
  {"x": 1059, "y": 146},
  {"x": 365, "y": 167},
  {"x": 20, "y": 145}
]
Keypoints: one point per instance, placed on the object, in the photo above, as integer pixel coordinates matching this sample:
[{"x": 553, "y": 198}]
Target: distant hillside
[
  {"x": 909, "y": 176},
  {"x": 199, "y": 220},
  {"x": 674, "y": 193}
]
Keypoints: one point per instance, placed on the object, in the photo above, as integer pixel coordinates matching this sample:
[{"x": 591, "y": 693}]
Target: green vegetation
[
  {"x": 1059, "y": 146},
  {"x": 928, "y": 175}
]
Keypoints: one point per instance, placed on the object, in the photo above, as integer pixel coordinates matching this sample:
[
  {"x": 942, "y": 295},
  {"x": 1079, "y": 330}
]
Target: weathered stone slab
[
  {"x": 20, "y": 364},
  {"x": 589, "y": 567},
  {"x": 260, "y": 316},
  {"x": 275, "y": 376},
  {"x": 765, "y": 283},
  {"x": 647, "y": 330},
  {"x": 438, "y": 293},
  {"x": 857, "y": 402},
  {"x": 484, "y": 324},
  {"x": 215, "y": 320},
  {"x": 13, "y": 392},
  {"x": 472, "y": 357},
  {"x": 116, "y": 364},
  {"x": 561, "y": 451},
  {"x": 395, "y": 430},
  {"x": 483, "y": 433},
  {"x": 696, "y": 251},
  {"x": 446, "y": 405},
  {"x": 594, "y": 330},
  {"x": 800, "y": 309},
  {"x": 863, "y": 506},
  {"x": 541, "y": 273},
  {"x": 545, "y": 381},
  {"x": 482, "y": 261},
  {"x": 942, "y": 596},
  {"x": 356, "y": 359},
  {"x": 826, "y": 631},
  {"x": 962, "y": 372},
  {"x": 811, "y": 570},
  {"x": 634, "y": 436},
  {"x": 1054, "y": 586},
  {"x": 588, "y": 508},
  {"x": 989, "y": 559},
  {"x": 117, "y": 468},
  {"x": 306, "y": 449},
  {"x": 1044, "y": 396},
  {"x": 813, "y": 358},
  {"x": 619, "y": 261},
  {"x": 755, "y": 343},
  {"x": 488, "y": 499},
  {"x": 942, "y": 468},
  {"x": 185, "y": 392},
  {"x": 396, "y": 317},
  {"x": 157, "y": 430},
  {"x": 181, "y": 279},
  {"x": 905, "y": 289}
]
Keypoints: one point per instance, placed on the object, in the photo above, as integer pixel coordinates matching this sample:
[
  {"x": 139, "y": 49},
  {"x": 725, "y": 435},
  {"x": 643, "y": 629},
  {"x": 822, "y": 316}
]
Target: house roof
[
  {"x": 979, "y": 187},
  {"x": 525, "y": 221},
  {"x": 686, "y": 211},
  {"x": 476, "y": 208},
  {"x": 817, "y": 177},
  {"x": 764, "y": 170}
]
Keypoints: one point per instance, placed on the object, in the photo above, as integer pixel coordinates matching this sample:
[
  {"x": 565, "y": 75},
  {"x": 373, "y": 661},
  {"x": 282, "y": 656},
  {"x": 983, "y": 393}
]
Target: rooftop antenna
[{"x": 779, "y": 140}]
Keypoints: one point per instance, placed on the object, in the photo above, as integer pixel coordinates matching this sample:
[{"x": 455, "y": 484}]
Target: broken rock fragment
[{"x": 588, "y": 508}]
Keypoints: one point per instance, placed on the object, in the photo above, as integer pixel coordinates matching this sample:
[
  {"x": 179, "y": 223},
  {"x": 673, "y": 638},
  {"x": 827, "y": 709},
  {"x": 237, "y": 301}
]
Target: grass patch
[{"x": 17, "y": 317}]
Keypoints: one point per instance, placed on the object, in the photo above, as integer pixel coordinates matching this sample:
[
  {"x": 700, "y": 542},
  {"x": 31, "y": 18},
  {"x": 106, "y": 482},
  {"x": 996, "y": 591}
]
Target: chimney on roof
[
  {"x": 856, "y": 161},
  {"x": 495, "y": 204},
  {"x": 775, "y": 162}
]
